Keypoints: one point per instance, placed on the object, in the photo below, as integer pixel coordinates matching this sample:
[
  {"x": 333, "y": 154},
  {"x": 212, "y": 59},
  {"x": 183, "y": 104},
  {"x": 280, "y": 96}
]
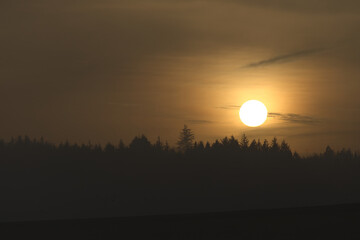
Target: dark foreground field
[{"x": 325, "y": 222}]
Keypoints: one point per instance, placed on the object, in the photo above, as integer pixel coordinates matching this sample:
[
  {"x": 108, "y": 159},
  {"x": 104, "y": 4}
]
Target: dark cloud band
[
  {"x": 294, "y": 118},
  {"x": 284, "y": 58}
]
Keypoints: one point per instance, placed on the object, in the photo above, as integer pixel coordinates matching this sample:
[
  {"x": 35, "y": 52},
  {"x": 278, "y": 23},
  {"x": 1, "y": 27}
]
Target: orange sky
[{"x": 110, "y": 70}]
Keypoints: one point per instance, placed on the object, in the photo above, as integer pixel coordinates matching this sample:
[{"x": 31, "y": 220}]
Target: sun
[{"x": 253, "y": 113}]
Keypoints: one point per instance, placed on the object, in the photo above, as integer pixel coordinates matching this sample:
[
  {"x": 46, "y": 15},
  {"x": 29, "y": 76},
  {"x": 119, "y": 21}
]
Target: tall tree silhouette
[
  {"x": 140, "y": 144},
  {"x": 186, "y": 139},
  {"x": 265, "y": 147},
  {"x": 121, "y": 146},
  {"x": 109, "y": 148},
  {"x": 158, "y": 146},
  {"x": 253, "y": 146},
  {"x": 285, "y": 149},
  {"x": 244, "y": 143},
  {"x": 200, "y": 147},
  {"x": 275, "y": 145},
  {"x": 329, "y": 153}
]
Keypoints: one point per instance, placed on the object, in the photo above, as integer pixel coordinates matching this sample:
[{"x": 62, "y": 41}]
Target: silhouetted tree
[
  {"x": 233, "y": 143},
  {"x": 296, "y": 156},
  {"x": 84, "y": 148},
  {"x": 140, "y": 144},
  {"x": 285, "y": 149},
  {"x": 274, "y": 145},
  {"x": 258, "y": 145},
  {"x": 228, "y": 147},
  {"x": 200, "y": 147},
  {"x": 166, "y": 147},
  {"x": 345, "y": 154},
  {"x": 89, "y": 144},
  {"x": 27, "y": 140},
  {"x": 225, "y": 141},
  {"x": 216, "y": 146},
  {"x": 207, "y": 146},
  {"x": 121, "y": 146},
  {"x": 158, "y": 146},
  {"x": 97, "y": 148},
  {"x": 109, "y": 148},
  {"x": 329, "y": 153},
  {"x": 253, "y": 146},
  {"x": 244, "y": 143},
  {"x": 186, "y": 139},
  {"x": 265, "y": 147}
]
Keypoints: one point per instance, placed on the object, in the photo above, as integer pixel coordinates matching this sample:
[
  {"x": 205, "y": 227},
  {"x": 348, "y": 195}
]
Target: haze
[{"x": 109, "y": 70}]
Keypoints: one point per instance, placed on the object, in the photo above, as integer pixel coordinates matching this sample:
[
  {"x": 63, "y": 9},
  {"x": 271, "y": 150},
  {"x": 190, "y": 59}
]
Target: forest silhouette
[
  {"x": 27, "y": 149},
  {"x": 42, "y": 180}
]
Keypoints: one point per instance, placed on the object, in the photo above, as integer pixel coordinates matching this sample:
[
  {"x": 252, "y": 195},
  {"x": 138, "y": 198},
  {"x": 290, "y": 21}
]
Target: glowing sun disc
[{"x": 253, "y": 113}]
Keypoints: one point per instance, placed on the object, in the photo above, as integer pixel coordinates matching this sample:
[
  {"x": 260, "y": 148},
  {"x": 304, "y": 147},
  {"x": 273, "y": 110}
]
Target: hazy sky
[{"x": 108, "y": 70}]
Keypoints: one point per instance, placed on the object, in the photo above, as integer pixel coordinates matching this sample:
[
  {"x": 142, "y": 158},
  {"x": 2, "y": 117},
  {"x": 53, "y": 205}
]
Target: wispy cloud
[
  {"x": 284, "y": 58},
  {"x": 286, "y": 117},
  {"x": 294, "y": 118},
  {"x": 195, "y": 121},
  {"x": 229, "y": 107}
]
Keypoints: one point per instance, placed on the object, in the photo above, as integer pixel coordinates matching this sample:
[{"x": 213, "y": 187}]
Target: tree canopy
[{"x": 186, "y": 139}]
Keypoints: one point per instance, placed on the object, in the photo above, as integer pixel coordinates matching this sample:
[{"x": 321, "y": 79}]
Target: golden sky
[{"x": 108, "y": 70}]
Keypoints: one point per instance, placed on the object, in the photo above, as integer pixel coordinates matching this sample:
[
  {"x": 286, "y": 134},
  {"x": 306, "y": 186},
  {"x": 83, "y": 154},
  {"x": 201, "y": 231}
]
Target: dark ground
[{"x": 324, "y": 222}]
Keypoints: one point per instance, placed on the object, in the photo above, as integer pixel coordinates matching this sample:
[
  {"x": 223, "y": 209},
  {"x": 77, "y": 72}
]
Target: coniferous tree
[
  {"x": 166, "y": 147},
  {"x": 121, "y": 146},
  {"x": 274, "y": 145},
  {"x": 258, "y": 145},
  {"x": 216, "y": 146},
  {"x": 234, "y": 143},
  {"x": 253, "y": 146},
  {"x": 225, "y": 141},
  {"x": 158, "y": 145},
  {"x": 285, "y": 149},
  {"x": 109, "y": 148},
  {"x": 200, "y": 146},
  {"x": 296, "y": 156},
  {"x": 186, "y": 139},
  {"x": 244, "y": 143},
  {"x": 265, "y": 147},
  {"x": 207, "y": 146},
  {"x": 329, "y": 153},
  {"x": 140, "y": 144}
]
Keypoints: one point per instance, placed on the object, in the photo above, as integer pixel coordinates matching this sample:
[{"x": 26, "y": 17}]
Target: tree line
[
  {"x": 186, "y": 145},
  {"x": 37, "y": 177}
]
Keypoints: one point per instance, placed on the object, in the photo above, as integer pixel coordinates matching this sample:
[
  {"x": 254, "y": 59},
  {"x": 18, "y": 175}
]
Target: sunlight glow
[{"x": 253, "y": 113}]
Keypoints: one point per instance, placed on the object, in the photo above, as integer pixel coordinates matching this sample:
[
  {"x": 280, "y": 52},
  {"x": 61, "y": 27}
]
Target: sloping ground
[
  {"x": 322, "y": 222},
  {"x": 73, "y": 188}
]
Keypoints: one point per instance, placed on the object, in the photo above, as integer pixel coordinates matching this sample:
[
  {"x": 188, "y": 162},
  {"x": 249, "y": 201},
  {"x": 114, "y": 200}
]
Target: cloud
[
  {"x": 199, "y": 121},
  {"x": 287, "y": 117},
  {"x": 284, "y": 58},
  {"x": 229, "y": 107},
  {"x": 294, "y": 118}
]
